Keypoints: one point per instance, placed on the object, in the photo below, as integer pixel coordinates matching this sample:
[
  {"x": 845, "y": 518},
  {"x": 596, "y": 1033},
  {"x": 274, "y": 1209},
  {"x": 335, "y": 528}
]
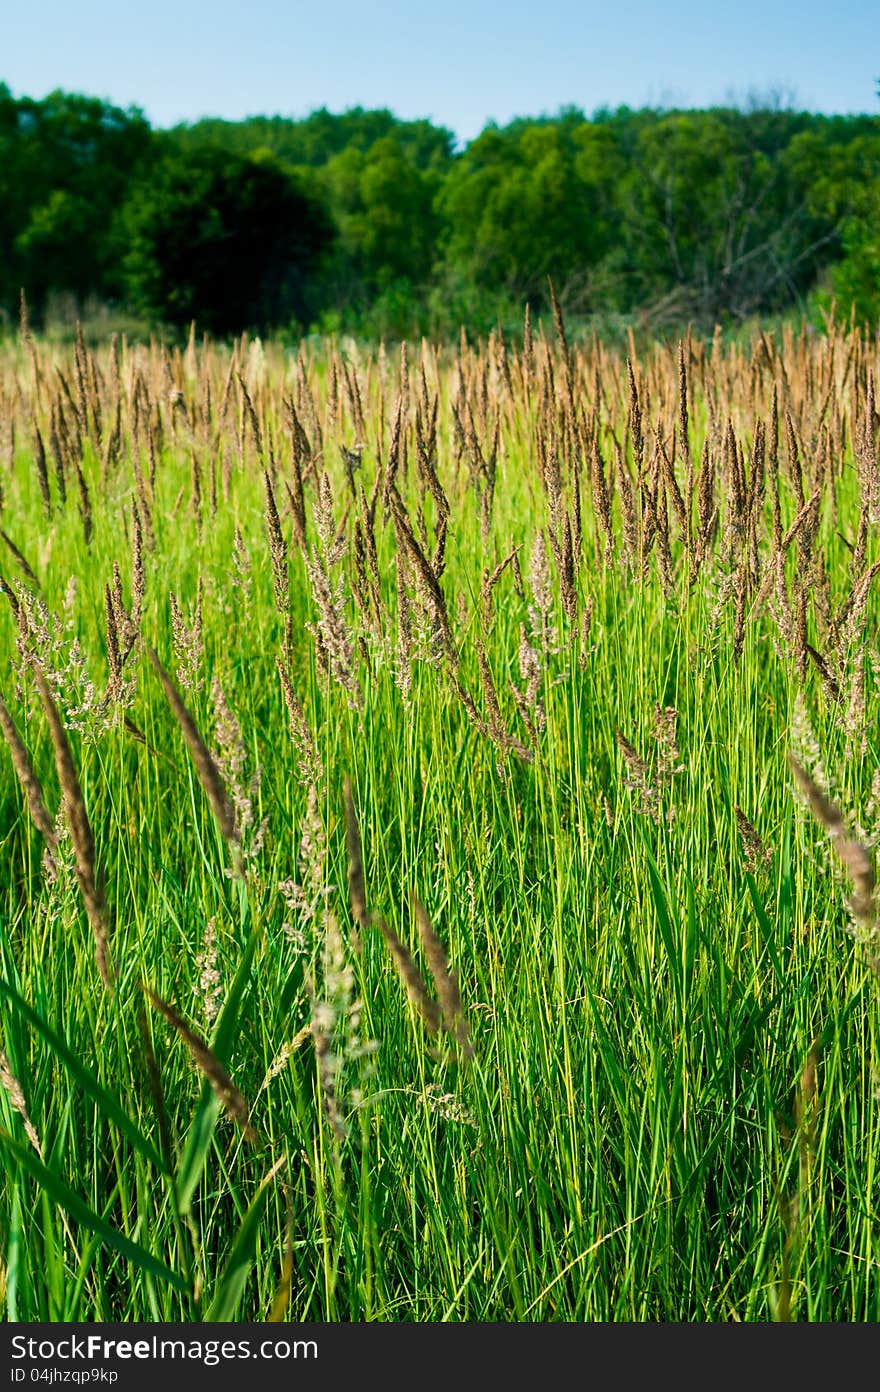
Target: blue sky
[{"x": 461, "y": 63}]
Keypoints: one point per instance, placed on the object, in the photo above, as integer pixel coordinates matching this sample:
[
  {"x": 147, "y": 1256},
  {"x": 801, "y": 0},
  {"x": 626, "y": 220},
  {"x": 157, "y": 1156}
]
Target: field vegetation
[{"x": 437, "y": 804}]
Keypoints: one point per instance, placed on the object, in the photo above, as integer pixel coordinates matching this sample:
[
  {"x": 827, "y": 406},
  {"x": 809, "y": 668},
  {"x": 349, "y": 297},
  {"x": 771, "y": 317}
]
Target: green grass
[{"x": 636, "y": 1136}]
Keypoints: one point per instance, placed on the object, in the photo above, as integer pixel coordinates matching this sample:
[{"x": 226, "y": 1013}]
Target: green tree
[
  {"x": 713, "y": 225},
  {"x": 855, "y": 279},
  {"x": 321, "y": 136},
  {"x": 381, "y": 225},
  {"x": 843, "y": 183},
  {"x": 65, "y": 165},
  {"x": 532, "y": 200},
  {"x": 383, "y": 206},
  {"x": 233, "y": 243}
]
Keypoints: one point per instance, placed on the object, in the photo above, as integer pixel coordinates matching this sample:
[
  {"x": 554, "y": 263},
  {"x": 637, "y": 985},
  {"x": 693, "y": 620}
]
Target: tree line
[{"x": 365, "y": 223}]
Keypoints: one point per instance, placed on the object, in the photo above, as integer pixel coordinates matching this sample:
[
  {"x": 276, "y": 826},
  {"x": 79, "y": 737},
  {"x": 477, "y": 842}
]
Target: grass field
[{"x": 410, "y": 909}]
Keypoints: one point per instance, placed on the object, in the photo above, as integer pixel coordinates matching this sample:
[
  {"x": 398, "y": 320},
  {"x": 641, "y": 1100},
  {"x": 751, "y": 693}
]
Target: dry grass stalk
[
  {"x": 80, "y": 832},
  {"x": 389, "y": 474},
  {"x": 354, "y": 397},
  {"x": 853, "y": 856},
  {"x": 426, "y": 449},
  {"x": 285, "y": 1054},
  {"x": 428, "y": 583},
  {"x": 684, "y": 440},
  {"x": 187, "y": 641},
  {"x": 251, "y": 415},
  {"x": 30, "y": 784},
  {"x": 707, "y": 511},
  {"x": 42, "y": 472},
  {"x": 633, "y": 760},
  {"x": 673, "y": 489},
  {"x": 114, "y": 657},
  {"x": 635, "y": 418},
  {"x": 14, "y": 602},
  {"x": 209, "y": 774},
  {"x": 757, "y": 855},
  {"x": 445, "y": 982},
  {"x": 794, "y": 460},
  {"x": 558, "y": 322},
  {"x": 209, "y": 986},
  {"x": 364, "y": 587},
  {"x": 208, "y": 1063},
  {"x": 490, "y": 580},
  {"x": 19, "y": 559},
  {"x": 528, "y": 350},
  {"x": 427, "y": 1007},
  {"x": 829, "y": 681},
  {"x": 806, "y": 513},
  {"x": 58, "y": 453},
  {"x": 495, "y": 725},
  {"x": 332, "y": 630},
  {"x": 142, "y": 502},
  {"x": 601, "y": 498},
  {"x": 13, "y": 1089},
  {"x": 85, "y": 502},
  {"x": 741, "y": 592},
  {"x": 311, "y": 767},
  {"x": 528, "y": 701},
  {"x": 277, "y": 549},
  {"x": 629, "y": 519},
  {"x": 852, "y": 611},
  {"x": 138, "y": 575},
  {"x": 327, "y": 1061},
  {"x": 639, "y": 779}
]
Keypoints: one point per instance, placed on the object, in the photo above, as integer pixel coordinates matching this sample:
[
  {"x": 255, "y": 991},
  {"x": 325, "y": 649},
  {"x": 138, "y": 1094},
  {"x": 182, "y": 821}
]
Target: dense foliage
[
  {"x": 222, "y": 239},
  {"x": 371, "y": 224}
]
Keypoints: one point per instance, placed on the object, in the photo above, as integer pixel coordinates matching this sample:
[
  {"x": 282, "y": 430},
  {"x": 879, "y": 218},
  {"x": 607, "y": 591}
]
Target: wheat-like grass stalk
[
  {"x": 209, "y": 774},
  {"x": 20, "y": 559},
  {"x": 30, "y": 783},
  {"x": 853, "y": 856},
  {"x": 277, "y": 548},
  {"x": 81, "y": 835},
  {"x": 445, "y": 981},
  {"x": 13, "y": 1089},
  {"x": 756, "y": 853},
  {"x": 208, "y": 1063},
  {"x": 427, "y": 1007}
]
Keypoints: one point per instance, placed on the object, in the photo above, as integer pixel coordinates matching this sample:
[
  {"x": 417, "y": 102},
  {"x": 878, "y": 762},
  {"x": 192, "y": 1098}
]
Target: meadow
[{"x": 437, "y": 808}]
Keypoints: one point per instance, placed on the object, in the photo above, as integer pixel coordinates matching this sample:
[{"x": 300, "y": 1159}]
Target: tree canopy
[
  {"x": 223, "y": 239},
  {"x": 378, "y": 225}
]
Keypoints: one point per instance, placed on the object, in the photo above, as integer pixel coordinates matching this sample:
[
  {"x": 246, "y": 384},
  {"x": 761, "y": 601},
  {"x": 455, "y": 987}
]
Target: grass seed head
[
  {"x": 207, "y": 1062},
  {"x": 81, "y": 835}
]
